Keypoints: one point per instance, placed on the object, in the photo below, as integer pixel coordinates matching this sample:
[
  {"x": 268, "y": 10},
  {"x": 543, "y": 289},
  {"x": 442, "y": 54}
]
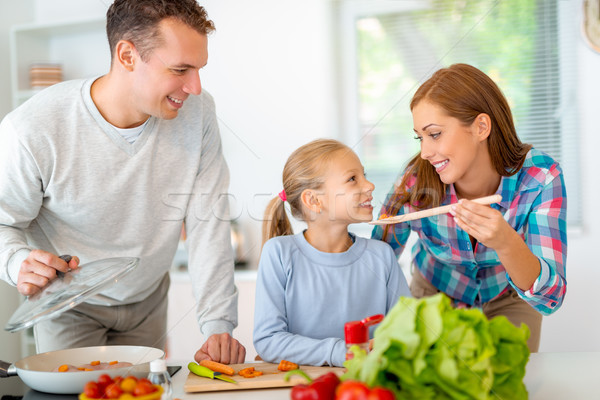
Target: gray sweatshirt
[{"x": 71, "y": 184}]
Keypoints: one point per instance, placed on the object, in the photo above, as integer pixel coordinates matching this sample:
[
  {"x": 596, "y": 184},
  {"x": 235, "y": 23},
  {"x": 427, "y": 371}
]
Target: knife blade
[{"x": 206, "y": 372}]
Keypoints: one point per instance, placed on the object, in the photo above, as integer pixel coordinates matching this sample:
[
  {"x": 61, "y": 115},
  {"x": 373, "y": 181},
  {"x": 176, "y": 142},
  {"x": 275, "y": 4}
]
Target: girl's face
[
  {"x": 454, "y": 149},
  {"x": 346, "y": 194}
]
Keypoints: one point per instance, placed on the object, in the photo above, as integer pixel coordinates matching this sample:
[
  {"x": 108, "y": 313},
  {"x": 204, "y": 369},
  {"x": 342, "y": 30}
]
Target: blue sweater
[{"x": 305, "y": 296}]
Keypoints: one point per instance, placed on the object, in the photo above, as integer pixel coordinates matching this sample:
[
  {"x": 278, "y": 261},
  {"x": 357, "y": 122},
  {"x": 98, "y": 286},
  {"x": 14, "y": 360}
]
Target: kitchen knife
[{"x": 206, "y": 372}]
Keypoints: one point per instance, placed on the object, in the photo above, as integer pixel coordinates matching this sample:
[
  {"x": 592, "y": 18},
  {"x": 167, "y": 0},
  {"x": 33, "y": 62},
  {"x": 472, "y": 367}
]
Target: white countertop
[{"x": 549, "y": 376}]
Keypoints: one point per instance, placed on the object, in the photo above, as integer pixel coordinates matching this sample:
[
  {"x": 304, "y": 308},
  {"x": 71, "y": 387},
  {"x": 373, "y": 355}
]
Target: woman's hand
[
  {"x": 488, "y": 226},
  {"x": 39, "y": 268},
  {"x": 484, "y": 223}
]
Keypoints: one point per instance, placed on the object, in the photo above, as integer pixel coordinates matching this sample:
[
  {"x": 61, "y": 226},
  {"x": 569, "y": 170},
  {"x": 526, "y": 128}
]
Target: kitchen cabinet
[
  {"x": 79, "y": 46},
  {"x": 183, "y": 332}
]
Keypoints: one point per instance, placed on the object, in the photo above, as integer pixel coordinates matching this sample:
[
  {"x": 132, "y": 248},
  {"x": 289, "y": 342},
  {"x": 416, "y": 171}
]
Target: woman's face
[{"x": 454, "y": 149}]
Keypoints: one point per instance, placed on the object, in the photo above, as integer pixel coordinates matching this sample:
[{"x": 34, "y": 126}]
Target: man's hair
[{"x": 138, "y": 21}]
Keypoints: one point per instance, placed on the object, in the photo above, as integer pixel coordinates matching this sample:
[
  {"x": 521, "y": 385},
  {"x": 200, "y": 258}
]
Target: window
[{"x": 390, "y": 47}]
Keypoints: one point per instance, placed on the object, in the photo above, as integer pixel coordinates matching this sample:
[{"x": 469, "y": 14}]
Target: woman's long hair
[{"x": 464, "y": 92}]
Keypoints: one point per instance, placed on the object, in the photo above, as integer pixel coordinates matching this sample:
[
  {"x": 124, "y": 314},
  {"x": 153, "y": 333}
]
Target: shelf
[{"x": 80, "y": 47}]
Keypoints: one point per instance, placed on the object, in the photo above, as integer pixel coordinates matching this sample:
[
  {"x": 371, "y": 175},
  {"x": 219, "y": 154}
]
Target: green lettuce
[{"x": 426, "y": 349}]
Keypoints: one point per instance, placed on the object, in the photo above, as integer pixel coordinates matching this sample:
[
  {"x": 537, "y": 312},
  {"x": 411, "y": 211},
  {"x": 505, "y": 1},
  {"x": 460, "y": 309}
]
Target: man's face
[{"x": 171, "y": 72}]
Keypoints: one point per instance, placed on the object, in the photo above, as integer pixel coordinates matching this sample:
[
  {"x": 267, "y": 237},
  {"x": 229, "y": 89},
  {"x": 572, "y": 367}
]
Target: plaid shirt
[{"x": 533, "y": 202}]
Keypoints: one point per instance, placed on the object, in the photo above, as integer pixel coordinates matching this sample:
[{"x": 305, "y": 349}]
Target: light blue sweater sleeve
[{"x": 304, "y": 297}]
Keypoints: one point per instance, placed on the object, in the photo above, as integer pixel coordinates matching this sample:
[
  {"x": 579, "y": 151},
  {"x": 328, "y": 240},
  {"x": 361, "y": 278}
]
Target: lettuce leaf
[{"x": 426, "y": 349}]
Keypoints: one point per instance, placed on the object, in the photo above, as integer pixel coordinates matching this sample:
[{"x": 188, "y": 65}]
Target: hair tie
[{"x": 282, "y": 196}]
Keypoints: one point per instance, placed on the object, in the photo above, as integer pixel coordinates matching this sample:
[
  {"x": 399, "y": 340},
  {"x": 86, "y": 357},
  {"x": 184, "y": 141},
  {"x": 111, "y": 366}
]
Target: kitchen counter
[{"x": 549, "y": 376}]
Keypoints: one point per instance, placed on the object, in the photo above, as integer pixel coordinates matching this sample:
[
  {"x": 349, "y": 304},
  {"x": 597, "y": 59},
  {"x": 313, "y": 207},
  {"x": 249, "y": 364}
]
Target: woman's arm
[
  {"x": 488, "y": 227},
  {"x": 534, "y": 262}
]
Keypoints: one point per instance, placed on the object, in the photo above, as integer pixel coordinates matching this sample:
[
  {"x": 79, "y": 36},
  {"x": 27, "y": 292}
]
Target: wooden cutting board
[{"x": 270, "y": 378}]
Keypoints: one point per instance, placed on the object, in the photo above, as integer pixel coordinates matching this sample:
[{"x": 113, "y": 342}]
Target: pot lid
[{"x": 69, "y": 290}]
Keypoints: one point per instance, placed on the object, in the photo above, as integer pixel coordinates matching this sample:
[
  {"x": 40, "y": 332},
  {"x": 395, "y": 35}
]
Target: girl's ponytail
[
  {"x": 275, "y": 222},
  {"x": 303, "y": 170}
]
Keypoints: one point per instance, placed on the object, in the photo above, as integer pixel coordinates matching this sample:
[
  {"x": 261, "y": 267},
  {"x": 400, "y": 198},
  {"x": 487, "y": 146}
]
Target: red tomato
[
  {"x": 379, "y": 393},
  {"x": 351, "y": 390},
  {"x": 145, "y": 380},
  {"x": 92, "y": 390},
  {"x": 142, "y": 388},
  {"x": 113, "y": 391},
  {"x": 105, "y": 379}
]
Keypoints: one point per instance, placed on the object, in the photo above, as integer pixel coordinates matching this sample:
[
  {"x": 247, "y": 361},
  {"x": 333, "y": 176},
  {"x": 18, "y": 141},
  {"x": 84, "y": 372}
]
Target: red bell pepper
[{"x": 322, "y": 388}]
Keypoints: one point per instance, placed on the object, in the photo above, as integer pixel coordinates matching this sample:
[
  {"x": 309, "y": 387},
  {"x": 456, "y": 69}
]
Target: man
[{"x": 110, "y": 167}]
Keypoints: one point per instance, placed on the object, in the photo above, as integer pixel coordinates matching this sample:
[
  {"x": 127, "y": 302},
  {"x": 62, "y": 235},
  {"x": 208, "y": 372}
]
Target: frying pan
[{"x": 36, "y": 371}]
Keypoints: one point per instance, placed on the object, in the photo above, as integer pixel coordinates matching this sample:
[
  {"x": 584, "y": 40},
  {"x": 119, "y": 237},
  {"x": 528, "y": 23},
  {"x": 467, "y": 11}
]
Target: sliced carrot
[
  {"x": 88, "y": 369},
  {"x": 113, "y": 362},
  {"x": 218, "y": 367},
  {"x": 249, "y": 372},
  {"x": 285, "y": 365},
  {"x": 81, "y": 368},
  {"x": 95, "y": 363},
  {"x": 63, "y": 368}
]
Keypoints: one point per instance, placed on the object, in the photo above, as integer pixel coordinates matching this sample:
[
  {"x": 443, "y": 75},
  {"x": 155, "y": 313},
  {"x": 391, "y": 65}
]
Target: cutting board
[{"x": 270, "y": 378}]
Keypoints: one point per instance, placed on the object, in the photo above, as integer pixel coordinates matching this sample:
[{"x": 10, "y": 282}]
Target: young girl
[
  {"x": 310, "y": 284},
  {"x": 508, "y": 259}
]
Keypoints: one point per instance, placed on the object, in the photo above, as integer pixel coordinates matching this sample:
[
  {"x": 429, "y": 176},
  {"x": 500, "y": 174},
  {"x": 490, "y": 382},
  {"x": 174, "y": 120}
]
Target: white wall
[
  {"x": 576, "y": 326},
  {"x": 271, "y": 71}
]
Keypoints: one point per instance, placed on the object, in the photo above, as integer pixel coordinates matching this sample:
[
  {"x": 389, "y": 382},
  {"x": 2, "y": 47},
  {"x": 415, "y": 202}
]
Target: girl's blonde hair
[{"x": 303, "y": 170}]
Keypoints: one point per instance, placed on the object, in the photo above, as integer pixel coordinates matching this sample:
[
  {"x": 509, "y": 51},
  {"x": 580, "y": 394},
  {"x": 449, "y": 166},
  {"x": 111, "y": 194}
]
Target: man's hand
[
  {"x": 39, "y": 268},
  {"x": 222, "y": 348}
]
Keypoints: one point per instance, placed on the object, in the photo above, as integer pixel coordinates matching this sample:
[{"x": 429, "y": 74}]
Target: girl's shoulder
[
  {"x": 279, "y": 243},
  {"x": 376, "y": 246}
]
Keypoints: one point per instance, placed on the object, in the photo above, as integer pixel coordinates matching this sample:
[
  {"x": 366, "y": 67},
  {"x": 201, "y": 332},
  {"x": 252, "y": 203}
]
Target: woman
[{"x": 507, "y": 259}]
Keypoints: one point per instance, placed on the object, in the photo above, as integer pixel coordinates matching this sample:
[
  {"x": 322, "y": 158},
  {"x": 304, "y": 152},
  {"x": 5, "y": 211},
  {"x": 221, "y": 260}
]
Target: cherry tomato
[
  {"x": 351, "y": 390},
  {"x": 143, "y": 387},
  {"x": 92, "y": 390},
  {"x": 113, "y": 391},
  {"x": 105, "y": 379},
  {"x": 379, "y": 393},
  {"x": 144, "y": 380},
  {"x": 128, "y": 384}
]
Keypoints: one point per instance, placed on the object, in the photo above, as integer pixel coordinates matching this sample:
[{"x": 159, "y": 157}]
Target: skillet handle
[{"x": 7, "y": 369}]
